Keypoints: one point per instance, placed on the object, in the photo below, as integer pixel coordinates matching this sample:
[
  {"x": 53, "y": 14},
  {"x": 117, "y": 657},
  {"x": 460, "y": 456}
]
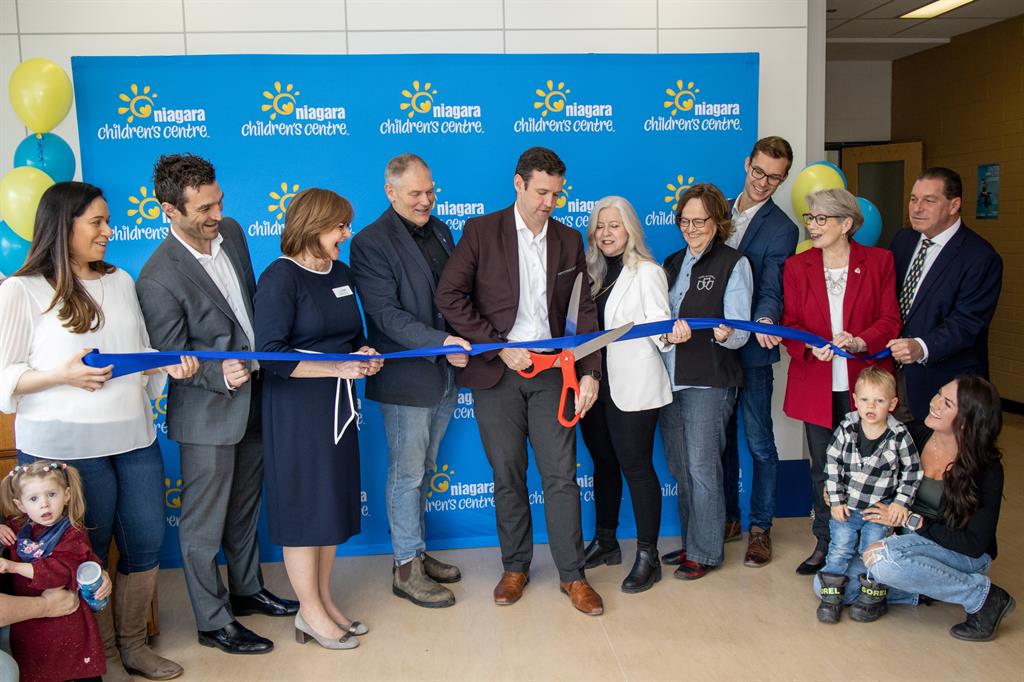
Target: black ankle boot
[
  {"x": 871, "y": 603},
  {"x": 645, "y": 572},
  {"x": 833, "y": 587},
  {"x": 982, "y": 626},
  {"x": 603, "y": 549}
]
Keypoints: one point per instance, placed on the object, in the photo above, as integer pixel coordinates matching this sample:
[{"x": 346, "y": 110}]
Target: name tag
[{"x": 342, "y": 292}]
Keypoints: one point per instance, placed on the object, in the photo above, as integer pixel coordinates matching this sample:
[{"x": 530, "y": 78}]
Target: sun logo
[
  {"x": 553, "y": 98},
  {"x": 682, "y": 98},
  {"x": 281, "y": 200},
  {"x": 563, "y": 196},
  {"x": 140, "y": 104},
  {"x": 158, "y": 407},
  {"x": 281, "y": 101},
  {"x": 172, "y": 493},
  {"x": 420, "y": 101},
  {"x": 682, "y": 184},
  {"x": 146, "y": 206},
  {"x": 441, "y": 481}
]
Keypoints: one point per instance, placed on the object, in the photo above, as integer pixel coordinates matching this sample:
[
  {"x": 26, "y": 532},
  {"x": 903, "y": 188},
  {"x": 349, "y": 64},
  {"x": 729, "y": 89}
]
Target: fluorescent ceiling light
[{"x": 934, "y": 9}]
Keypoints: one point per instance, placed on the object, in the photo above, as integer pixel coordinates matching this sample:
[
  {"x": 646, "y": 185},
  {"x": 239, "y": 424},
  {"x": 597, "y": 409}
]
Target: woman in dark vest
[{"x": 706, "y": 279}]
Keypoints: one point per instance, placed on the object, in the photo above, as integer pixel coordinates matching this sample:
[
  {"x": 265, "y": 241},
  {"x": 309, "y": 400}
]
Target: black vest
[{"x": 700, "y": 361}]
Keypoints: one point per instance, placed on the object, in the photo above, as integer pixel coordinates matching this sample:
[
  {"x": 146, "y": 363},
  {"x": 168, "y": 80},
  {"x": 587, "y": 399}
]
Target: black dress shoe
[
  {"x": 600, "y": 552},
  {"x": 645, "y": 572},
  {"x": 263, "y": 602},
  {"x": 812, "y": 564},
  {"x": 235, "y": 638},
  {"x": 982, "y": 626},
  {"x": 674, "y": 558}
]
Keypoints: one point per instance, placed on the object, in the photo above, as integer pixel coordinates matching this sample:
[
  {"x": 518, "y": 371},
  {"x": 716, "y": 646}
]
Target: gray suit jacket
[
  {"x": 185, "y": 310},
  {"x": 396, "y": 289}
]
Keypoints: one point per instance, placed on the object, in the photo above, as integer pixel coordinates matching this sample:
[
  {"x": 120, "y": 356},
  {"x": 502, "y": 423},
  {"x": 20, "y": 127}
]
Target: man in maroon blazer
[{"x": 510, "y": 279}]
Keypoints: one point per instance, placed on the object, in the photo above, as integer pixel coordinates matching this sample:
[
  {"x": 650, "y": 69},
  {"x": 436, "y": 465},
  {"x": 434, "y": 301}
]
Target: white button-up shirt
[
  {"x": 938, "y": 243},
  {"x": 532, "y": 314},
  {"x": 740, "y": 221}
]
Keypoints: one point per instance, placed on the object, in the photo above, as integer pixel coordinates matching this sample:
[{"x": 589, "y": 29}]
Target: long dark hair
[
  {"x": 978, "y": 421},
  {"x": 50, "y": 254}
]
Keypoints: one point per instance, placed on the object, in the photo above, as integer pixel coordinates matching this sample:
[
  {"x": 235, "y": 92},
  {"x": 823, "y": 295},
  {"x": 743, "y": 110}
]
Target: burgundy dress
[{"x": 57, "y": 649}]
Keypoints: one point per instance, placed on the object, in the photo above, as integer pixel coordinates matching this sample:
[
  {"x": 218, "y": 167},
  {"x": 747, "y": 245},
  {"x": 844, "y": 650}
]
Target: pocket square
[{"x": 566, "y": 272}]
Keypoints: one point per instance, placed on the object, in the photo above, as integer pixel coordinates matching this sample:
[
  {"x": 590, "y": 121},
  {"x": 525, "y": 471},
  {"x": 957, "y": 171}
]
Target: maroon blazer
[
  {"x": 870, "y": 311},
  {"x": 479, "y": 290}
]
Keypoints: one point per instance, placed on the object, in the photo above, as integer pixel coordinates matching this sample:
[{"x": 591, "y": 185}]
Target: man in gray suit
[
  {"x": 196, "y": 293},
  {"x": 396, "y": 262}
]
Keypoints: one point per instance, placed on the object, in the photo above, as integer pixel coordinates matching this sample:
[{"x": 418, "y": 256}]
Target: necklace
[
  {"x": 605, "y": 290},
  {"x": 838, "y": 285}
]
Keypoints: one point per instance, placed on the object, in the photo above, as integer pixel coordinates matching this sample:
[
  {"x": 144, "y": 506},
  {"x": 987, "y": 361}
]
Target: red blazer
[
  {"x": 479, "y": 290},
  {"x": 870, "y": 311}
]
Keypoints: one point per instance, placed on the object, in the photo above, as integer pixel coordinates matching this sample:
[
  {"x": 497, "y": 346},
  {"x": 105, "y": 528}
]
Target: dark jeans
[
  {"x": 755, "y": 400},
  {"x": 622, "y": 443},
  {"x": 818, "y": 438},
  {"x": 124, "y": 500}
]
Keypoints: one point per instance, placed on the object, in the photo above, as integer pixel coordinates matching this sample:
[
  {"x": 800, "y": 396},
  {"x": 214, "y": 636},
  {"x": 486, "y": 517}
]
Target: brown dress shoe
[
  {"x": 759, "y": 548},
  {"x": 583, "y": 597},
  {"x": 733, "y": 531},
  {"x": 510, "y": 588}
]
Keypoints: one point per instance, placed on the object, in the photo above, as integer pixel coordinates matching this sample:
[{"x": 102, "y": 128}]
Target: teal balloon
[
  {"x": 13, "y": 249},
  {"x": 49, "y": 153},
  {"x": 834, "y": 167},
  {"x": 871, "y": 230}
]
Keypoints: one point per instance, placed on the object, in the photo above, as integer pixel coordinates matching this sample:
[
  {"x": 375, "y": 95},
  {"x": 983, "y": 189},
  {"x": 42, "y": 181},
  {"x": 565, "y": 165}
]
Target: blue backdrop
[{"x": 643, "y": 126}]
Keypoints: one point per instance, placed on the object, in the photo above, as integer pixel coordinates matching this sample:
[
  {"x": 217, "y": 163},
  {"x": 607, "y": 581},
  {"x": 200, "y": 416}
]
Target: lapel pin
[{"x": 856, "y": 271}]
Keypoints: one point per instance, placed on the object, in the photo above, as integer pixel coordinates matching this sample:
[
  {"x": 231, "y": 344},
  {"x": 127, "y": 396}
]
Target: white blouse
[
  {"x": 65, "y": 422},
  {"x": 840, "y": 375}
]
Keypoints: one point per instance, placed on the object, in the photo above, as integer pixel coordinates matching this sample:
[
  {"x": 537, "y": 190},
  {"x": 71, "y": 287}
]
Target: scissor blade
[
  {"x": 572, "y": 314},
  {"x": 600, "y": 342}
]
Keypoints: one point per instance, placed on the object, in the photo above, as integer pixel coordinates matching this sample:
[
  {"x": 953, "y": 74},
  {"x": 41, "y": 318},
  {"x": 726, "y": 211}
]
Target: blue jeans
[
  {"x": 755, "y": 401},
  {"x": 414, "y": 435},
  {"x": 693, "y": 431},
  {"x": 124, "y": 500},
  {"x": 850, "y": 539}
]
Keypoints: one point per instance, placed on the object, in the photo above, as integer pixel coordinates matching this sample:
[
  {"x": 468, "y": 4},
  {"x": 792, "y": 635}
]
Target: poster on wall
[{"x": 988, "y": 191}]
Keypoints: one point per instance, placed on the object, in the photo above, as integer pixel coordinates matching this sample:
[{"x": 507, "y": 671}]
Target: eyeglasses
[
  {"x": 696, "y": 223},
  {"x": 759, "y": 174},
  {"x": 820, "y": 219}
]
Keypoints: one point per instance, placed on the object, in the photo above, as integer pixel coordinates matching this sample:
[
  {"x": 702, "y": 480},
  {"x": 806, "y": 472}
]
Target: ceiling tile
[
  {"x": 872, "y": 28},
  {"x": 848, "y": 9},
  {"x": 944, "y": 28}
]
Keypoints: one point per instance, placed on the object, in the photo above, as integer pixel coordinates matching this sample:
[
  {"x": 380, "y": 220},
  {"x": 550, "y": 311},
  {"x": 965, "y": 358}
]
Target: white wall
[
  {"x": 858, "y": 101},
  {"x": 791, "y": 98}
]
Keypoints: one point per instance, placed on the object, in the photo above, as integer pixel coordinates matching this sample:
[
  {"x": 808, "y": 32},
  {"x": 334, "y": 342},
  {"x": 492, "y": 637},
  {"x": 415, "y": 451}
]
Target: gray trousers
[
  {"x": 220, "y": 506},
  {"x": 514, "y": 410}
]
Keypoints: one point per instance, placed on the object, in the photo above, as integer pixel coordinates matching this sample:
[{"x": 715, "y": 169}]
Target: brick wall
[{"x": 965, "y": 101}]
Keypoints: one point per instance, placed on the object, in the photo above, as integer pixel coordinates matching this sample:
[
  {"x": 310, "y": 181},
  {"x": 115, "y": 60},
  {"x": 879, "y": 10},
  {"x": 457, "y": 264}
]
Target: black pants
[
  {"x": 622, "y": 443},
  {"x": 818, "y": 438}
]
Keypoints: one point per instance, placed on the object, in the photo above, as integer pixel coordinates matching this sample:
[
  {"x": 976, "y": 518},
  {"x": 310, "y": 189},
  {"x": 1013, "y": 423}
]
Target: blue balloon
[
  {"x": 834, "y": 167},
  {"x": 13, "y": 249},
  {"x": 48, "y": 153},
  {"x": 871, "y": 230}
]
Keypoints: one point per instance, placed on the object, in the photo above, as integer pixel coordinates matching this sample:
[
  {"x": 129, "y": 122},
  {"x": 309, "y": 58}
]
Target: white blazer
[{"x": 637, "y": 376}]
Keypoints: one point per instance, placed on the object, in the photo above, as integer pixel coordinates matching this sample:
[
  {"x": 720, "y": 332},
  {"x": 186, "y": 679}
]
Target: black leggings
[{"x": 818, "y": 438}]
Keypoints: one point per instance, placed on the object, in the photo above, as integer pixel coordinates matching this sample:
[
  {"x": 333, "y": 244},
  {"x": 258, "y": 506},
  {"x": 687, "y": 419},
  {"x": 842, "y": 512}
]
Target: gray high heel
[
  {"x": 355, "y": 628},
  {"x": 304, "y": 633}
]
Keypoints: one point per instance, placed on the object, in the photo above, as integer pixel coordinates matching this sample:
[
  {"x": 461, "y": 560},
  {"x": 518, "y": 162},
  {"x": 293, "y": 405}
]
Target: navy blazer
[
  {"x": 952, "y": 311},
  {"x": 396, "y": 289},
  {"x": 769, "y": 240}
]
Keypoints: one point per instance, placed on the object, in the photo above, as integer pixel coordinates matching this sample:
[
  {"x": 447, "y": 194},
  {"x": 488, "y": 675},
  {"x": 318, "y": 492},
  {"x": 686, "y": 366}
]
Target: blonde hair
[
  {"x": 636, "y": 246},
  {"x": 877, "y": 377},
  {"x": 68, "y": 476}
]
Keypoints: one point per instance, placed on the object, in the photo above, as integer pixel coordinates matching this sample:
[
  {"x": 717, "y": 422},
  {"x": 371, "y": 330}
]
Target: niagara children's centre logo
[
  {"x": 556, "y": 111},
  {"x": 667, "y": 216},
  {"x": 447, "y": 494},
  {"x": 689, "y": 112},
  {"x": 577, "y": 210},
  {"x": 455, "y": 214},
  {"x": 141, "y": 115},
  {"x": 279, "y": 197},
  {"x": 145, "y": 219},
  {"x": 284, "y": 115},
  {"x": 420, "y": 112}
]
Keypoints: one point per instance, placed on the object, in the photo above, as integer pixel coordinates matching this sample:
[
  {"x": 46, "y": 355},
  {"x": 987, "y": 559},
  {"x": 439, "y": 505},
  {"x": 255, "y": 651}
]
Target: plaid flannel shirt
[{"x": 894, "y": 468}]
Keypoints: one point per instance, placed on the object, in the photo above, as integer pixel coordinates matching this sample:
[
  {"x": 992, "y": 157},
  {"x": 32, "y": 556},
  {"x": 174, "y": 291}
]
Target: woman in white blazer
[{"x": 627, "y": 286}]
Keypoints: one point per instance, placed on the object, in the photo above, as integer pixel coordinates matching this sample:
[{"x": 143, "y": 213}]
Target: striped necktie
[{"x": 913, "y": 278}]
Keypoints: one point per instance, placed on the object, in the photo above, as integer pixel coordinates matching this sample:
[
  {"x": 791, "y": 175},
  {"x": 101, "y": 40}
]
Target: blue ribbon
[{"x": 129, "y": 363}]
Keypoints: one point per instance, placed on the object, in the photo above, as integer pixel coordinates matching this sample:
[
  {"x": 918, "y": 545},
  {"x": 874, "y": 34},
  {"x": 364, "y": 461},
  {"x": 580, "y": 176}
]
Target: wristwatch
[
  {"x": 914, "y": 522},
  {"x": 595, "y": 373}
]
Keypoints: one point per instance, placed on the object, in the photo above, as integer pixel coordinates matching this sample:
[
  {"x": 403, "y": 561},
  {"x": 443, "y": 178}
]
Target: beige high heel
[{"x": 304, "y": 633}]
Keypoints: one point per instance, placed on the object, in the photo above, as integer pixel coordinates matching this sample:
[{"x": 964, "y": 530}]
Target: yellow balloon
[
  {"x": 41, "y": 94},
  {"x": 804, "y": 246},
  {"x": 20, "y": 191},
  {"x": 810, "y": 180}
]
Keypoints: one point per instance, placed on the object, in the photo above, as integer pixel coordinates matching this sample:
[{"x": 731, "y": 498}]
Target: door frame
[{"x": 910, "y": 153}]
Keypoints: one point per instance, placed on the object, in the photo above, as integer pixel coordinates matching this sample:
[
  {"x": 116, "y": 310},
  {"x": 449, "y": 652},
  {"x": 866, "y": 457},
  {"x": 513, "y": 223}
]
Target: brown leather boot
[
  {"x": 132, "y": 598},
  {"x": 115, "y": 669},
  {"x": 510, "y": 588},
  {"x": 584, "y": 597}
]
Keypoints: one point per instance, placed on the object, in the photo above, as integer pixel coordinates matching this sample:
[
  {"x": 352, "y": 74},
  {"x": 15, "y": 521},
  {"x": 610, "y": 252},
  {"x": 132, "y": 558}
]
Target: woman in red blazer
[{"x": 846, "y": 292}]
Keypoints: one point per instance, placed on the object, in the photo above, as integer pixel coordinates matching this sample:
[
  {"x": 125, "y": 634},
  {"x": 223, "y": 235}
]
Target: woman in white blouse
[{"x": 63, "y": 302}]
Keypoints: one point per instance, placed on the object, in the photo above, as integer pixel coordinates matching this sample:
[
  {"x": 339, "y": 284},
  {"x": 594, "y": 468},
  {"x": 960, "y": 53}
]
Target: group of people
[{"x": 290, "y": 425}]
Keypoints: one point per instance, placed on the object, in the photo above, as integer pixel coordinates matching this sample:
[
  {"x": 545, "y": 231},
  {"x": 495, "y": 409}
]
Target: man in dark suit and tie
[
  {"x": 949, "y": 280},
  {"x": 510, "y": 279},
  {"x": 397, "y": 261},
  {"x": 196, "y": 294}
]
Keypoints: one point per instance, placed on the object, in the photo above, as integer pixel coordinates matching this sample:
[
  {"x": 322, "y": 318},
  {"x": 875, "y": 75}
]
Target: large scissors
[{"x": 566, "y": 358}]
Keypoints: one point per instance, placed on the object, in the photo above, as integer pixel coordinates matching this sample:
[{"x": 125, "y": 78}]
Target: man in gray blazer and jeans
[
  {"x": 397, "y": 261},
  {"x": 196, "y": 293}
]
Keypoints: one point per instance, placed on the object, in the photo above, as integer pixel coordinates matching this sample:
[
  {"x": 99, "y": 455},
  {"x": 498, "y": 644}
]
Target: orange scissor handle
[{"x": 567, "y": 361}]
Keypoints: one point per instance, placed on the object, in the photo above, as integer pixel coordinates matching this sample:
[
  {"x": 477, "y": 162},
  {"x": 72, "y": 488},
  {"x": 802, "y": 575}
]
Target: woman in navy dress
[{"x": 305, "y": 302}]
